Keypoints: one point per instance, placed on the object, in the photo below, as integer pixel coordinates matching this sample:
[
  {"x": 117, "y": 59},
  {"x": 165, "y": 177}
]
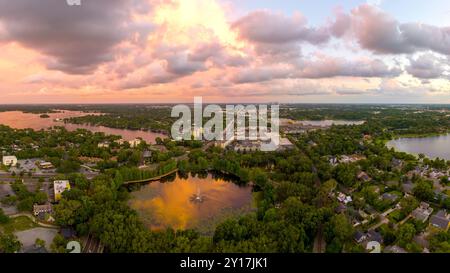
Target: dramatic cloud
[
  {"x": 274, "y": 28},
  {"x": 328, "y": 67},
  {"x": 76, "y": 39},
  {"x": 261, "y": 74},
  {"x": 170, "y": 49},
  {"x": 426, "y": 66},
  {"x": 378, "y": 31}
]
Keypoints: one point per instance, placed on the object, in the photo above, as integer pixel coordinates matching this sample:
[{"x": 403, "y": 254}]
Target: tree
[
  {"x": 59, "y": 244},
  {"x": 424, "y": 190},
  {"x": 408, "y": 204},
  {"x": 3, "y": 217},
  {"x": 338, "y": 231},
  {"x": 405, "y": 234},
  {"x": 39, "y": 242},
  {"x": 67, "y": 211},
  {"x": 9, "y": 243}
]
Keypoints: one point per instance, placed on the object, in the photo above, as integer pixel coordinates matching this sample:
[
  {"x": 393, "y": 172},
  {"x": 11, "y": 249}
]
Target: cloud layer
[{"x": 175, "y": 48}]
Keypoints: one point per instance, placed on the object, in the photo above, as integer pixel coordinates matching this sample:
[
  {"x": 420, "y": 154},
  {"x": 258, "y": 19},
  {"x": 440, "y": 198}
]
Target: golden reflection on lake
[{"x": 169, "y": 204}]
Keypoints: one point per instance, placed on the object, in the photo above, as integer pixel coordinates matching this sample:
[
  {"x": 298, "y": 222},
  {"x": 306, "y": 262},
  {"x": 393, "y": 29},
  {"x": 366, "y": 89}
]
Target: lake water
[
  {"x": 172, "y": 204},
  {"x": 432, "y": 147},
  {"x": 20, "y": 120}
]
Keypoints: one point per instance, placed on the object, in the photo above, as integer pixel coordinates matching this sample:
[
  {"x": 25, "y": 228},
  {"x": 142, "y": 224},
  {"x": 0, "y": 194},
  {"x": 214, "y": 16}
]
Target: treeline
[{"x": 126, "y": 174}]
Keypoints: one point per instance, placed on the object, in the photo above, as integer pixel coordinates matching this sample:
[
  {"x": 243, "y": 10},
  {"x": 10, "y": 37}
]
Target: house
[
  {"x": 42, "y": 209},
  {"x": 344, "y": 198},
  {"x": 422, "y": 212},
  {"x": 9, "y": 161},
  {"x": 375, "y": 236},
  {"x": 363, "y": 176},
  {"x": 360, "y": 236},
  {"x": 341, "y": 208},
  {"x": 394, "y": 249},
  {"x": 439, "y": 195},
  {"x": 396, "y": 163},
  {"x": 441, "y": 220},
  {"x": 103, "y": 145},
  {"x": 59, "y": 187},
  {"x": 147, "y": 154},
  {"x": 247, "y": 146},
  {"x": 45, "y": 165},
  {"x": 407, "y": 187},
  {"x": 333, "y": 161},
  {"x": 285, "y": 144},
  {"x": 389, "y": 197},
  {"x": 120, "y": 141}
]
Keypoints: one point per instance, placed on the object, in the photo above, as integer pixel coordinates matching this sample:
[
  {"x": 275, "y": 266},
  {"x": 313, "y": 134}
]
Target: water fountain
[{"x": 197, "y": 198}]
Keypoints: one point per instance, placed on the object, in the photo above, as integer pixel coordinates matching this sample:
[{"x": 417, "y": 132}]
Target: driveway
[{"x": 28, "y": 237}]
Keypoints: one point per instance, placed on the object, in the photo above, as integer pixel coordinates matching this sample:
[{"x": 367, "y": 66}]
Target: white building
[
  {"x": 103, "y": 145},
  {"x": 59, "y": 186},
  {"x": 135, "y": 142},
  {"x": 10, "y": 161}
]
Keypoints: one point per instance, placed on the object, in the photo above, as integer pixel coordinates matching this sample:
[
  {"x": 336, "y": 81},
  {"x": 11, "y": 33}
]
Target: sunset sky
[{"x": 151, "y": 51}]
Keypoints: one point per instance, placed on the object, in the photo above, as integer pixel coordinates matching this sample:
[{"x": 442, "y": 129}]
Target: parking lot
[{"x": 28, "y": 237}]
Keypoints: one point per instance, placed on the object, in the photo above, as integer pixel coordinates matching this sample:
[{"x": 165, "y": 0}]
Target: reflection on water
[
  {"x": 432, "y": 147},
  {"x": 20, "y": 120},
  {"x": 171, "y": 204}
]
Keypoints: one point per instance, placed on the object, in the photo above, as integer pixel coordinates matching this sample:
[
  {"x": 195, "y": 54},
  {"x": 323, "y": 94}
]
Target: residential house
[
  {"x": 103, "y": 144},
  {"x": 341, "y": 208},
  {"x": 42, "y": 209},
  {"x": 344, "y": 198},
  {"x": 360, "y": 236},
  {"x": 389, "y": 197},
  {"x": 441, "y": 220},
  {"x": 394, "y": 249},
  {"x": 363, "y": 176},
  {"x": 375, "y": 236},
  {"x": 396, "y": 163},
  {"x": 147, "y": 154},
  {"x": 422, "y": 212},
  {"x": 407, "y": 187}
]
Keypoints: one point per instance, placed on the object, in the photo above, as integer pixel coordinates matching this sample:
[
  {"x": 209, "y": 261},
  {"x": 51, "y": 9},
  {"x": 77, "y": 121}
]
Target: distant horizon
[{"x": 221, "y": 103}]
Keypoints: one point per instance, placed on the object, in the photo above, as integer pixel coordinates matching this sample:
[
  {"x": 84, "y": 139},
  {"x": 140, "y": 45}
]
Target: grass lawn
[
  {"x": 396, "y": 216},
  {"x": 18, "y": 224}
]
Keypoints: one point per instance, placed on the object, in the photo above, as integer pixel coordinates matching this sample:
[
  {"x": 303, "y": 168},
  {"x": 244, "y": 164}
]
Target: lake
[
  {"x": 190, "y": 202},
  {"x": 20, "y": 120},
  {"x": 432, "y": 147}
]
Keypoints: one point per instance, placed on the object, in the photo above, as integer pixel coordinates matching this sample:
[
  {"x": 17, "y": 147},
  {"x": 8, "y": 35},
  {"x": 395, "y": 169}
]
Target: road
[{"x": 319, "y": 242}]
